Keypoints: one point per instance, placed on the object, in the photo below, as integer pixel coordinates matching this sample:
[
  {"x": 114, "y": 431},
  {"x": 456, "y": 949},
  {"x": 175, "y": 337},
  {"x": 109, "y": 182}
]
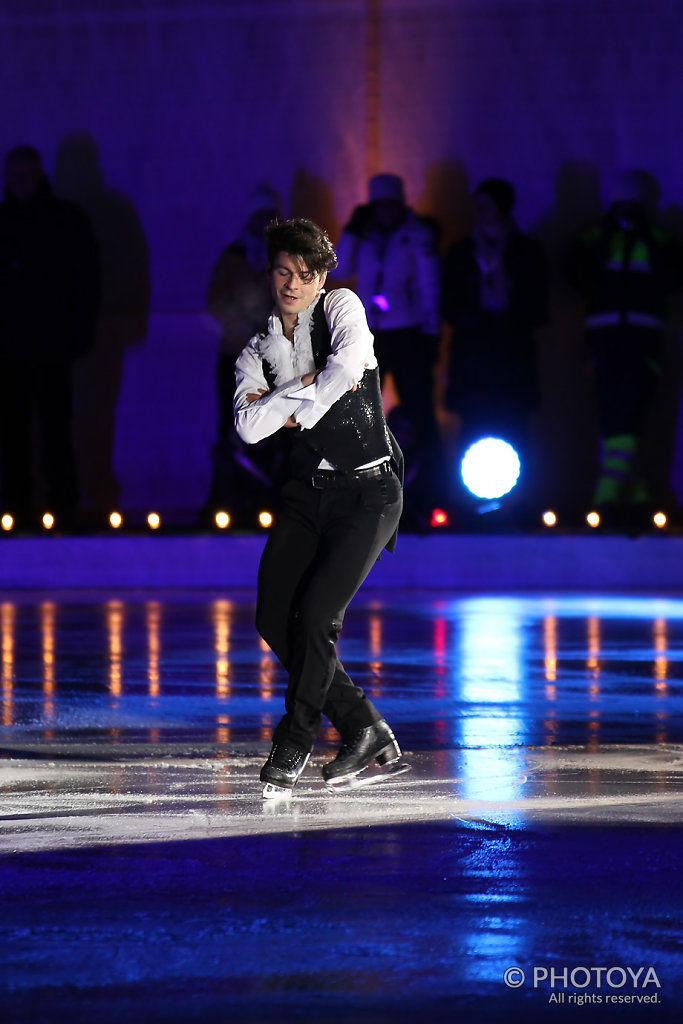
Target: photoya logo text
[{"x": 585, "y": 977}]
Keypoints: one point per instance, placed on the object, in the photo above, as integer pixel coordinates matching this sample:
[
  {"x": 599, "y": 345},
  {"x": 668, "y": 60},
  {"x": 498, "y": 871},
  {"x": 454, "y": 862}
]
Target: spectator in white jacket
[{"x": 389, "y": 254}]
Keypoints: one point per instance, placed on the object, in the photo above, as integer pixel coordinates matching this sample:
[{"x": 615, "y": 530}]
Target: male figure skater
[{"x": 314, "y": 373}]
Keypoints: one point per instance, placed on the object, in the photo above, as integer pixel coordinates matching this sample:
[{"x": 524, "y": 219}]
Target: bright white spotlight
[
  {"x": 265, "y": 520},
  {"x": 550, "y": 518},
  {"x": 490, "y": 468},
  {"x": 115, "y": 520},
  {"x": 7, "y": 522},
  {"x": 659, "y": 519},
  {"x": 593, "y": 519},
  {"x": 48, "y": 521},
  {"x": 154, "y": 520},
  {"x": 222, "y": 520}
]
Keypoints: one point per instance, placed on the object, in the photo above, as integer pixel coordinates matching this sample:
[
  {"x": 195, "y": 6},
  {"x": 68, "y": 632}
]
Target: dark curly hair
[{"x": 304, "y": 240}]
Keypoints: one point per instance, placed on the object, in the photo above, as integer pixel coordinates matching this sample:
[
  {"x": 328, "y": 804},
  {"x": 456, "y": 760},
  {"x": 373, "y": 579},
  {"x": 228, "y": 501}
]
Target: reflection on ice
[{"x": 475, "y": 671}]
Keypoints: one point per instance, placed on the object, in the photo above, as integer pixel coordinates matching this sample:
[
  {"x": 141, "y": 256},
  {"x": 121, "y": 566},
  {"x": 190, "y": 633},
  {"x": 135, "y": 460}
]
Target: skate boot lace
[
  {"x": 348, "y": 746},
  {"x": 285, "y": 757}
]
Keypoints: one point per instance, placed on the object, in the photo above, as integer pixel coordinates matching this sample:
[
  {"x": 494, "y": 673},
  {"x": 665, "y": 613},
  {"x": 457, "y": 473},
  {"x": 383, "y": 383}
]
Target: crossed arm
[
  {"x": 303, "y": 400},
  {"x": 307, "y": 379}
]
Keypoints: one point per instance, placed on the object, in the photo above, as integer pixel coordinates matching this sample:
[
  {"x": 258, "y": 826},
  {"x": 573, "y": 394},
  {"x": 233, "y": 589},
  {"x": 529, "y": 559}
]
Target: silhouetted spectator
[
  {"x": 122, "y": 321},
  {"x": 240, "y": 300},
  {"x": 494, "y": 297},
  {"x": 625, "y": 270},
  {"x": 49, "y": 289},
  {"x": 391, "y": 255}
]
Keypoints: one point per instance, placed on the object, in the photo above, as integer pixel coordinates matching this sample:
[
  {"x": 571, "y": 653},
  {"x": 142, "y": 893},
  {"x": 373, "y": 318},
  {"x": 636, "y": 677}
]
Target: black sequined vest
[{"x": 353, "y": 431}]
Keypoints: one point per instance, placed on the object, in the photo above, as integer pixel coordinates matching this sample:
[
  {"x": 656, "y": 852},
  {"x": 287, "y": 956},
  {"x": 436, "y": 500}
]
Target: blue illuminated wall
[{"x": 159, "y": 117}]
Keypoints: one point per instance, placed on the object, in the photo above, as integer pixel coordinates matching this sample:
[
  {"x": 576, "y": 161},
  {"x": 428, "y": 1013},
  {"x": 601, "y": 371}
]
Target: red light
[{"x": 439, "y": 518}]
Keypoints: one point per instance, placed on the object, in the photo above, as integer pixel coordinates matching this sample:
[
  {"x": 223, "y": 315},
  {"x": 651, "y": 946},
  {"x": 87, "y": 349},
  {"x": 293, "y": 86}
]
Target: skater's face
[{"x": 294, "y": 286}]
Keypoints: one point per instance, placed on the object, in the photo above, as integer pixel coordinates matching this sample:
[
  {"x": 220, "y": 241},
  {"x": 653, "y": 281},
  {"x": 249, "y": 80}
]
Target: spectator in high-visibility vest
[{"x": 626, "y": 270}]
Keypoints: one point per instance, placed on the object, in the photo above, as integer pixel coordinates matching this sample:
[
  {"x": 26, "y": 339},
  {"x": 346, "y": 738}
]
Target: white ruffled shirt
[{"x": 351, "y": 353}]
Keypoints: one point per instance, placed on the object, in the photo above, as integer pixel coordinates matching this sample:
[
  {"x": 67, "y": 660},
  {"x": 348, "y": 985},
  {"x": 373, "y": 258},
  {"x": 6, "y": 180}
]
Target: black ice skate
[
  {"x": 376, "y": 743},
  {"x": 282, "y": 770}
]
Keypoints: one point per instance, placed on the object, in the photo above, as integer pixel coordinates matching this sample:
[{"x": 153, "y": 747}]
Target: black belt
[{"x": 323, "y": 478}]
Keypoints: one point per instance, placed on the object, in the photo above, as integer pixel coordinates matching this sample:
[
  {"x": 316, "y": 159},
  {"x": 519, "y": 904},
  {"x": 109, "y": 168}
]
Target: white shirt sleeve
[
  {"x": 256, "y": 420},
  {"x": 352, "y": 352}
]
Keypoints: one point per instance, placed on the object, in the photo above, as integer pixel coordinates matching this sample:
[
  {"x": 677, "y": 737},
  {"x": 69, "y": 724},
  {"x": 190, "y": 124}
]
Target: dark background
[{"x": 159, "y": 117}]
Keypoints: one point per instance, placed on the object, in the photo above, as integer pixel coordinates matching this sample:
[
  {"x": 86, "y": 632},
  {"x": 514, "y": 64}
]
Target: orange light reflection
[
  {"x": 48, "y": 613},
  {"x": 221, "y": 617},
  {"x": 267, "y": 670},
  {"x": 550, "y": 649},
  {"x": 115, "y": 621},
  {"x": 661, "y": 668},
  {"x": 375, "y": 640},
  {"x": 8, "y": 613},
  {"x": 223, "y": 729},
  {"x": 153, "y": 620},
  {"x": 593, "y": 660},
  {"x": 593, "y": 666},
  {"x": 661, "y": 659}
]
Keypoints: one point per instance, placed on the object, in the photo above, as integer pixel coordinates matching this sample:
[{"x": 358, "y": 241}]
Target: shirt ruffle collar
[{"x": 285, "y": 360}]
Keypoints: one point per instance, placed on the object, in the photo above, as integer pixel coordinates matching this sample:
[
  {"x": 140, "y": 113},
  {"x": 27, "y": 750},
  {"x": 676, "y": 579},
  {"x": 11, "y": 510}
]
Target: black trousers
[{"x": 322, "y": 547}]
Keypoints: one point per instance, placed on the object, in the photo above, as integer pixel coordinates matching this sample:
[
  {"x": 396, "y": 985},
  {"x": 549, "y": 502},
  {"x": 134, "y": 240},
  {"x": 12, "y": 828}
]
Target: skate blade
[
  {"x": 272, "y": 792},
  {"x": 360, "y": 780}
]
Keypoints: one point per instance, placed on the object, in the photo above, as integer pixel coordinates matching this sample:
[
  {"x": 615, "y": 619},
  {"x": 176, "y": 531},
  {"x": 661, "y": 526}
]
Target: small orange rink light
[
  {"x": 549, "y": 518},
  {"x": 7, "y": 521},
  {"x": 439, "y": 518},
  {"x": 154, "y": 521},
  {"x": 115, "y": 520},
  {"x": 222, "y": 520},
  {"x": 48, "y": 520},
  {"x": 265, "y": 519},
  {"x": 593, "y": 519},
  {"x": 659, "y": 519}
]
